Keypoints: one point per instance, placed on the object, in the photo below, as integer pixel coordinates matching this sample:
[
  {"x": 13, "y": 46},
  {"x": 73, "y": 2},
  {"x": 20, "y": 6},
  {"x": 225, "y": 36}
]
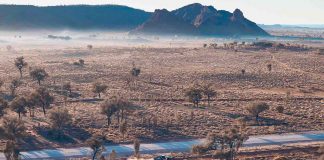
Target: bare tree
[
  {"x": 99, "y": 88},
  {"x": 42, "y": 98},
  {"x": 20, "y": 64},
  {"x": 38, "y": 74},
  {"x": 96, "y": 144},
  {"x": 19, "y": 105},
  {"x": 13, "y": 86},
  {"x": 195, "y": 95},
  {"x": 256, "y": 108},
  {"x": 3, "y": 106},
  {"x": 209, "y": 92}
]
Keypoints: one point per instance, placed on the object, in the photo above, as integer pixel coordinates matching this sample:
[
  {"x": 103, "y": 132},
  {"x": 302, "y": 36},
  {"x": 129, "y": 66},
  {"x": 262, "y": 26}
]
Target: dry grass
[{"x": 159, "y": 90}]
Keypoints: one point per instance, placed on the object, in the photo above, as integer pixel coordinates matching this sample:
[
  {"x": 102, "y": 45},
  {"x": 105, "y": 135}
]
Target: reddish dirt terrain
[{"x": 164, "y": 113}]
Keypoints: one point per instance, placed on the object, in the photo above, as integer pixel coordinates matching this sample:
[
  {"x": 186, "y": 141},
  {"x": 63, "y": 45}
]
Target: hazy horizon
[{"x": 299, "y": 12}]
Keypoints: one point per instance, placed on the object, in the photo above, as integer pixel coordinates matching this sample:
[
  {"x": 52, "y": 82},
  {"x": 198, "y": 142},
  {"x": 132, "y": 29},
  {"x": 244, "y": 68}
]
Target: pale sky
[{"x": 259, "y": 11}]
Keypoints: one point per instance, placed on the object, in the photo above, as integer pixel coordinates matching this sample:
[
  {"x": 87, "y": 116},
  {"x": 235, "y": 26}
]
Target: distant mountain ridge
[
  {"x": 108, "y": 17},
  {"x": 193, "y": 19}
]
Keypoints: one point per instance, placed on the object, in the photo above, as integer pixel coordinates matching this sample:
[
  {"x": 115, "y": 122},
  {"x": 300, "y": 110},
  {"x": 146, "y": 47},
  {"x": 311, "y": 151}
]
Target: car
[{"x": 163, "y": 157}]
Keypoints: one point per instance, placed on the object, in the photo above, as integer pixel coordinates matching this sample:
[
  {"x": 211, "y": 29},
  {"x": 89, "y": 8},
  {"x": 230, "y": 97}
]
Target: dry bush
[{"x": 280, "y": 109}]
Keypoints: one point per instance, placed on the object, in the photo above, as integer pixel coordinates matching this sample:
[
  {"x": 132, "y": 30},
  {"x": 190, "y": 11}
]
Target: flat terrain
[{"x": 295, "y": 82}]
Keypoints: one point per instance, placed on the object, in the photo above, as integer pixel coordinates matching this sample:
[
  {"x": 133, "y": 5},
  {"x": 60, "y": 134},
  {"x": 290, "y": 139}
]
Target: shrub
[
  {"x": 256, "y": 108},
  {"x": 14, "y": 85},
  {"x": 60, "y": 118},
  {"x": 280, "y": 109}
]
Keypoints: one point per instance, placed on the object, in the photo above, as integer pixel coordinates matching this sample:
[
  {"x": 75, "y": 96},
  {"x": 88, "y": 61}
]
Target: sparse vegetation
[{"x": 38, "y": 74}]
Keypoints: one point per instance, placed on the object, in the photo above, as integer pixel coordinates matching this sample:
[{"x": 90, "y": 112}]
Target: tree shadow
[{"x": 67, "y": 136}]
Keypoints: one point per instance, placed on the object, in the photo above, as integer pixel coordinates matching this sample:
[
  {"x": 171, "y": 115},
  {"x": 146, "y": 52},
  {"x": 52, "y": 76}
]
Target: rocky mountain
[
  {"x": 193, "y": 19},
  {"x": 106, "y": 17},
  {"x": 205, "y": 20},
  {"x": 165, "y": 22}
]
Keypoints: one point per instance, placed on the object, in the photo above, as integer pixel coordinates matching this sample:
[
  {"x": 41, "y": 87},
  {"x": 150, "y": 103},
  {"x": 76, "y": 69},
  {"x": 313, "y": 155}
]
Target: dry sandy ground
[{"x": 167, "y": 70}]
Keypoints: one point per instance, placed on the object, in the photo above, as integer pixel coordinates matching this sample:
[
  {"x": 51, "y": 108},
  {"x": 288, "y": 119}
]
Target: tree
[
  {"x": 99, "y": 88},
  {"x": 122, "y": 107},
  {"x": 11, "y": 150},
  {"x": 60, "y": 118},
  {"x": 269, "y": 66},
  {"x": 3, "y": 106},
  {"x": 14, "y": 85},
  {"x": 96, "y": 144},
  {"x": 42, "y": 98},
  {"x": 256, "y": 108},
  {"x": 135, "y": 71},
  {"x": 137, "y": 145},
  {"x": 20, "y": 64},
  {"x": 13, "y": 128},
  {"x": 1, "y": 83},
  {"x": 108, "y": 108},
  {"x": 123, "y": 129},
  {"x": 67, "y": 87},
  {"x": 19, "y": 105},
  {"x": 209, "y": 92},
  {"x": 195, "y": 95},
  {"x": 243, "y": 72},
  {"x": 81, "y": 62},
  {"x": 38, "y": 74},
  {"x": 227, "y": 142}
]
